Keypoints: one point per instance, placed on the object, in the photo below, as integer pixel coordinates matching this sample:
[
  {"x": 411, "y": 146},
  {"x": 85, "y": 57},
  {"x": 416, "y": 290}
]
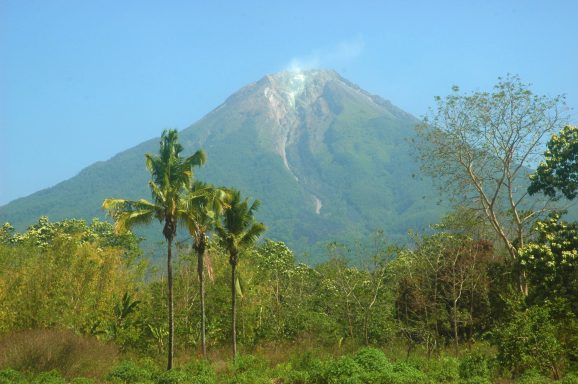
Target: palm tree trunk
[
  {"x": 170, "y": 304},
  {"x": 233, "y": 309},
  {"x": 200, "y": 271}
]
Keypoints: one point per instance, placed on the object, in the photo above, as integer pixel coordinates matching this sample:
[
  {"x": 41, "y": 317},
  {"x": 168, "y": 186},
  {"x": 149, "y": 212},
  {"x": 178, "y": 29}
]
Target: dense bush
[
  {"x": 201, "y": 372},
  {"x": 372, "y": 360},
  {"x": 50, "y": 377},
  {"x": 528, "y": 342},
  {"x": 11, "y": 376},
  {"x": 129, "y": 372},
  {"x": 474, "y": 368},
  {"x": 248, "y": 369}
]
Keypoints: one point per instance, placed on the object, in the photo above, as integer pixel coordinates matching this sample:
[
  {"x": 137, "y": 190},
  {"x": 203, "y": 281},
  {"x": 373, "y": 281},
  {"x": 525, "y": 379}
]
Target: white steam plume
[{"x": 341, "y": 54}]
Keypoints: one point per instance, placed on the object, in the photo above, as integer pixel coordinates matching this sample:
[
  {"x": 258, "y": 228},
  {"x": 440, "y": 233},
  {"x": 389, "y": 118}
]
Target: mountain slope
[{"x": 328, "y": 161}]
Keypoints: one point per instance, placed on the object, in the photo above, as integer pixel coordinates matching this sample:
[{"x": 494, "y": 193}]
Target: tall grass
[{"x": 41, "y": 350}]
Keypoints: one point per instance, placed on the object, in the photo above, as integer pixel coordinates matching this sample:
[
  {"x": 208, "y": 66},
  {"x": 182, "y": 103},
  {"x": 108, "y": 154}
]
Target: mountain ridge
[{"x": 329, "y": 161}]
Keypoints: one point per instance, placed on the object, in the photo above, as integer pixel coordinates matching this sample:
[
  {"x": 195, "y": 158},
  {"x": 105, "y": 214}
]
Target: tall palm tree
[
  {"x": 238, "y": 231},
  {"x": 199, "y": 209},
  {"x": 170, "y": 175}
]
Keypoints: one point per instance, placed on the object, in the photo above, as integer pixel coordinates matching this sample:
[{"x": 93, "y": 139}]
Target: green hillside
[{"x": 328, "y": 161}]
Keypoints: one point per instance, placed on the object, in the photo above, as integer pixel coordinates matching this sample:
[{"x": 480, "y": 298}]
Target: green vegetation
[
  {"x": 558, "y": 173},
  {"x": 483, "y": 146},
  {"x": 296, "y": 323},
  {"x": 459, "y": 304}
]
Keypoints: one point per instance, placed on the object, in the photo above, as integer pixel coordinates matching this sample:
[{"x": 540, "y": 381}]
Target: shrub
[
  {"x": 173, "y": 376},
  {"x": 51, "y": 377},
  {"x": 202, "y": 372},
  {"x": 571, "y": 378},
  {"x": 533, "y": 376},
  {"x": 474, "y": 365},
  {"x": 529, "y": 341},
  {"x": 11, "y": 376},
  {"x": 404, "y": 373},
  {"x": 341, "y": 370},
  {"x": 372, "y": 359},
  {"x": 81, "y": 380},
  {"x": 247, "y": 369},
  {"x": 287, "y": 374},
  {"x": 129, "y": 372},
  {"x": 443, "y": 370},
  {"x": 305, "y": 368}
]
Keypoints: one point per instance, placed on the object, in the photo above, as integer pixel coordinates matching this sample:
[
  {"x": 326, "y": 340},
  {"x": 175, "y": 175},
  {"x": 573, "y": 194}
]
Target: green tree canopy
[
  {"x": 551, "y": 261},
  {"x": 558, "y": 173}
]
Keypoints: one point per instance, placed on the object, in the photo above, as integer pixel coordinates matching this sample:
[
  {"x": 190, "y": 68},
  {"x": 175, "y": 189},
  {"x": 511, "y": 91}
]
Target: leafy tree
[
  {"x": 45, "y": 233},
  {"x": 442, "y": 288},
  {"x": 529, "y": 341},
  {"x": 6, "y": 233},
  {"x": 551, "y": 261},
  {"x": 481, "y": 146},
  {"x": 558, "y": 173},
  {"x": 237, "y": 232},
  {"x": 281, "y": 302},
  {"x": 170, "y": 175},
  {"x": 199, "y": 210}
]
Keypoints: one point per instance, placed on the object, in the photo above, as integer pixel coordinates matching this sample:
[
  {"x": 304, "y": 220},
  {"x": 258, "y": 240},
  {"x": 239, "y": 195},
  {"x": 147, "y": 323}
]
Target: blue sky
[{"x": 83, "y": 80}]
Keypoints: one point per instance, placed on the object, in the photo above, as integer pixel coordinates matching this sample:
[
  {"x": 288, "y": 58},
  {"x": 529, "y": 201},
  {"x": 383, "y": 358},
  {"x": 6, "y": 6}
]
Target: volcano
[{"x": 328, "y": 160}]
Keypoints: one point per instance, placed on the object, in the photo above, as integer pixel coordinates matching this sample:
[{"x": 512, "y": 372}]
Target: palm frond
[
  {"x": 198, "y": 159},
  {"x": 238, "y": 228},
  {"x": 252, "y": 234},
  {"x": 128, "y": 214}
]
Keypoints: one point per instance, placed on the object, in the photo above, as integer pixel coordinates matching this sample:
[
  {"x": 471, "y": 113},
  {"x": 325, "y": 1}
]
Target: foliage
[
  {"x": 129, "y": 372},
  {"x": 441, "y": 290},
  {"x": 201, "y": 372},
  {"x": 481, "y": 146},
  {"x": 11, "y": 376},
  {"x": 533, "y": 376},
  {"x": 551, "y": 261},
  {"x": 474, "y": 367},
  {"x": 529, "y": 341},
  {"x": 44, "y": 234},
  {"x": 371, "y": 359},
  {"x": 342, "y": 370},
  {"x": 558, "y": 173},
  {"x": 247, "y": 369},
  {"x": 51, "y": 377},
  {"x": 87, "y": 273}
]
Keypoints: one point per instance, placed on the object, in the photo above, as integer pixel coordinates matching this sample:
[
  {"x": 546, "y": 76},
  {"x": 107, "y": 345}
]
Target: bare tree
[{"x": 482, "y": 147}]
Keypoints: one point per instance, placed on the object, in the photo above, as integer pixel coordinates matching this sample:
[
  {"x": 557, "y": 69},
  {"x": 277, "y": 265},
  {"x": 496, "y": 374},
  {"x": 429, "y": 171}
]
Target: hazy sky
[{"x": 82, "y": 80}]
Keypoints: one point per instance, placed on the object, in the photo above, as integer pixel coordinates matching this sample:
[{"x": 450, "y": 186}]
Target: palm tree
[
  {"x": 238, "y": 231},
  {"x": 199, "y": 210},
  {"x": 170, "y": 175}
]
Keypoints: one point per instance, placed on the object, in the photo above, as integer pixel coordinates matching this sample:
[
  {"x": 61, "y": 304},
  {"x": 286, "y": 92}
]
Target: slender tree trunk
[
  {"x": 170, "y": 303},
  {"x": 456, "y": 337},
  {"x": 200, "y": 271},
  {"x": 233, "y": 309}
]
